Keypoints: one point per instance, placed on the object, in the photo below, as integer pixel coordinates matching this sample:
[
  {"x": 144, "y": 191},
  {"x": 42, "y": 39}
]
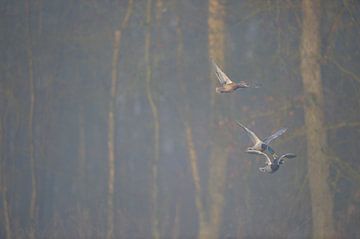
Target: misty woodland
[{"x": 179, "y": 119}]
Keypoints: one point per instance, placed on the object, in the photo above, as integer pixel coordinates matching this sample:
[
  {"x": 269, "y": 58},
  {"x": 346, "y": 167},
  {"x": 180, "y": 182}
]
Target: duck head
[{"x": 249, "y": 149}]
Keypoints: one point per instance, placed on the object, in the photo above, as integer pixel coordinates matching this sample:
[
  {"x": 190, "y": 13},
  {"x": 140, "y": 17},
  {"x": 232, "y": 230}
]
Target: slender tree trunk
[
  {"x": 33, "y": 199},
  {"x": 112, "y": 121},
  {"x": 111, "y": 137},
  {"x": 81, "y": 175},
  {"x": 8, "y": 233},
  {"x": 155, "y": 114},
  {"x": 5, "y": 204},
  {"x": 318, "y": 164},
  {"x": 39, "y": 4},
  {"x": 82, "y": 150},
  {"x": 175, "y": 231},
  {"x": 218, "y": 160},
  {"x": 216, "y": 37},
  {"x": 193, "y": 161}
]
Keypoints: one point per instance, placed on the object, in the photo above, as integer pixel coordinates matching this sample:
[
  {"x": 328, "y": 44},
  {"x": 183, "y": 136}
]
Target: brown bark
[
  {"x": 218, "y": 160},
  {"x": 216, "y": 37},
  {"x": 318, "y": 163}
]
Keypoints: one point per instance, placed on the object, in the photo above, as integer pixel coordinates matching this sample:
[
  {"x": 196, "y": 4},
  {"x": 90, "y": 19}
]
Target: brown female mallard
[{"x": 227, "y": 85}]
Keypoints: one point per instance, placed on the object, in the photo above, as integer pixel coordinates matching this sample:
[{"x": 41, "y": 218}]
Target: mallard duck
[
  {"x": 227, "y": 85},
  {"x": 272, "y": 166},
  {"x": 262, "y": 145}
]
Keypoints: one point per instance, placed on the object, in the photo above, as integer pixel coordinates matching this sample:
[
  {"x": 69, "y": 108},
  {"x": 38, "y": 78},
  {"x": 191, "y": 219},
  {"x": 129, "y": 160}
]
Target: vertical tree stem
[
  {"x": 3, "y": 188},
  {"x": 154, "y": 165},
  {"x": 318, "y": 164},
  {"x": 111, "y": 136},
  {"x": 32, "y": 210},
  {"x": 219, "y": 157},
  {"x": 112, "y": 121}
]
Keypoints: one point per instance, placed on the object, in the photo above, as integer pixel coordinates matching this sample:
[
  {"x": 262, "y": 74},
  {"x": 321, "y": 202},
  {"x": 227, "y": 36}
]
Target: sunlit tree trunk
[
  {"x": 318, "y": 163},
  {"x": 32, "y": 209},
  {"x": 218, "y": 160},
  {"x": 216, "y": 37},
  {"x": 112, "y": 121},
  {"x": 209, "y": 223},
  {"x": 156, "y": 124}
]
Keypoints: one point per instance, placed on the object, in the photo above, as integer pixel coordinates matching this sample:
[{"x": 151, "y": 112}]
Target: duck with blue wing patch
[
  {"x": 262, "y": 145},
  {"x": 274, "y": 165}
]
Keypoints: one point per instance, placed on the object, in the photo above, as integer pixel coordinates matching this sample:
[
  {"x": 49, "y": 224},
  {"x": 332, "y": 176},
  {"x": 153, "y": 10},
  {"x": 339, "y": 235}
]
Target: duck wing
[
  {"x": 288, "y": 156},
  {"x": 274, "y": 135},
  {"x": 222, "y": 77},
  {"x": 250, "y": 133},
  {"x": 252, "y": 151}
]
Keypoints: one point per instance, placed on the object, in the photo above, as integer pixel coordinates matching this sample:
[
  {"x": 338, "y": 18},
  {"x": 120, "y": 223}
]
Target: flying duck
[
  {"x": 262, "y": 145},
  {"x": 227, "y": 85},
  {"x": 272, "y": 166}
]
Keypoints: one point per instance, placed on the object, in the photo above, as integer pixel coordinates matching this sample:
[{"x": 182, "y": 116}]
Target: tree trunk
[
  {"x": 111, "y": 137},
  {"x": 218, "y": 160},
  {"x": 80, "y": 186},
  {"x": 216, "y": 37},
  {"x": 318, "y": 163},
  {"x": 195, "y": 174},
  {"x": 155, "y": 114},
  {"x": 5, "y": 204},
  {"x": 112, "y": 121},
  {"x": 82, "y": 149},
  {"x": 192, "y": 154},
  {"x": 32, "y": 209}
]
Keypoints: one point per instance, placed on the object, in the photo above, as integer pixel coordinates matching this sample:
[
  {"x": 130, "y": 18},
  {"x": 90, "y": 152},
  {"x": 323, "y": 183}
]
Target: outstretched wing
[
  {"x": 274, "y": 135},
  {"x": 288, "y": 156},
  {"x": 223, "y": 79},
  {"x": 252, "y": 151},
  {"x": 251, "y": 134}
]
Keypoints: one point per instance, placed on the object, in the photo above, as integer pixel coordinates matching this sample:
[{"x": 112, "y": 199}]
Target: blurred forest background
[{"x": 111, "y": 127}]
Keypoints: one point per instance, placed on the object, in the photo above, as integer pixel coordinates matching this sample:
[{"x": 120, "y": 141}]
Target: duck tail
[{"x": 256, "y": 85}]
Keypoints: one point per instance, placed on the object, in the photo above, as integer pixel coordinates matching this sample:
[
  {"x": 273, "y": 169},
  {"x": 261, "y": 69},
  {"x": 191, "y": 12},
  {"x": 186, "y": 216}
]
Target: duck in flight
[
  {"x": 261, "y": 145},
  {"x": 227, "y": 85},
  {"x": 274, "y": 165}
]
